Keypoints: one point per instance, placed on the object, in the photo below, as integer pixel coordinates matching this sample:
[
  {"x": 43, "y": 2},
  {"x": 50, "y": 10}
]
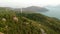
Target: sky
[{"x": 26, "y": 3}]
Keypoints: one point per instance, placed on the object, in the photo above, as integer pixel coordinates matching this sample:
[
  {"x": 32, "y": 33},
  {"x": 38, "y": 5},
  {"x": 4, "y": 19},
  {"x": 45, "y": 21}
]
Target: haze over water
[{"x": 53, "y": 11}]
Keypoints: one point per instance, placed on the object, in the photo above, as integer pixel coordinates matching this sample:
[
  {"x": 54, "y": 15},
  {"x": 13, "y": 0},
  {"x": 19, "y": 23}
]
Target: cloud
[{"x": 25, "y": 3}]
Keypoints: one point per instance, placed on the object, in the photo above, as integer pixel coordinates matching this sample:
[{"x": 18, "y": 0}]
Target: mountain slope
[
  {"x": 32, "y": 23},
  {"x": 49, "y": 22},
  {"x": 23, "y": 26}
]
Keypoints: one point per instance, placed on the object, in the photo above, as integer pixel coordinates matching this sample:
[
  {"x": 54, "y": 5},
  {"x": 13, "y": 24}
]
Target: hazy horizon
[{"x": 52, "y": 4}]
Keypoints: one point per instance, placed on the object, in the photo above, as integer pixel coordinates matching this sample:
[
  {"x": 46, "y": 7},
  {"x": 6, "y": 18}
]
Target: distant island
[{"x": 33, "y": 9}]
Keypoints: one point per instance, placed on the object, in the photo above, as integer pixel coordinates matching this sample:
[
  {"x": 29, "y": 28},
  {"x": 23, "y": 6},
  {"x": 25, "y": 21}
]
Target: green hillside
[
  {"x": 32, "y": 23},
  {"x": 51, "y": 23}
]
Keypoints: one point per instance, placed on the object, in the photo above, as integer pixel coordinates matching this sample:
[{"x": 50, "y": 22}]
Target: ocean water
[{"x": 53, "y": 12}]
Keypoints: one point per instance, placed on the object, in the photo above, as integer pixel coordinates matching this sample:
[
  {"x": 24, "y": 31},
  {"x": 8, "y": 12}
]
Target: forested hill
[{"x": 12, "y": 22}]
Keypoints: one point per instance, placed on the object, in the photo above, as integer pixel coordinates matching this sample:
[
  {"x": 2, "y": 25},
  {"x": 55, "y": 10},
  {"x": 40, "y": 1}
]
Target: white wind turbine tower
[{"x": 21, "y": 10}]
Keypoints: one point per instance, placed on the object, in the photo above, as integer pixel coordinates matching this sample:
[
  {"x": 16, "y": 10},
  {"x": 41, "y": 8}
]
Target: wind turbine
[{"x": 21, "y": 10}]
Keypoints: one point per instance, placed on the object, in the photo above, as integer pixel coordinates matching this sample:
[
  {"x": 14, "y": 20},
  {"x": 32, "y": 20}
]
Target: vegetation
[{"x": 32, "y": 23}]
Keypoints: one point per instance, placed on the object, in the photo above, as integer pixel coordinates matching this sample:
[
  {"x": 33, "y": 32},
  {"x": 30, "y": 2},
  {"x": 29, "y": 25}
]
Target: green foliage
[{"x": 31, "y": 23}]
